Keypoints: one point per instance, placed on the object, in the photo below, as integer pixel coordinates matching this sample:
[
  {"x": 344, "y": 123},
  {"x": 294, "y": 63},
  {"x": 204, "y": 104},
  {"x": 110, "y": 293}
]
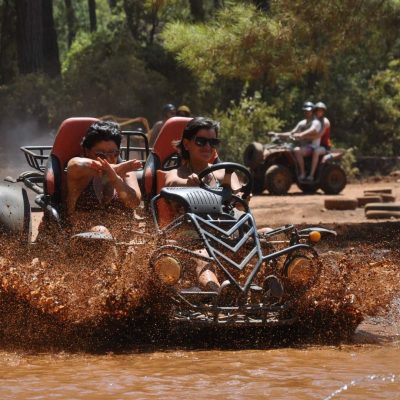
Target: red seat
[
  {"x": 67, "y": 145},
  {"x": 154, "y": 171},
  {"x": 163, "y": 150}
]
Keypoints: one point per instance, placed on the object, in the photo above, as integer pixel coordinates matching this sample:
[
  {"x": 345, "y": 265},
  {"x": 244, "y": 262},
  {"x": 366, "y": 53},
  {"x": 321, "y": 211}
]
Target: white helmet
[{"x": 320, "y": 105}]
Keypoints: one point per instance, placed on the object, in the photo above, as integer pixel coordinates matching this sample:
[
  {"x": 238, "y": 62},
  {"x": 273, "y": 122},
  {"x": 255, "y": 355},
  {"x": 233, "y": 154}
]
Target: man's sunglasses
[
  {"x": 106, "y": 154},
  {"x": 202, "y": 141}
]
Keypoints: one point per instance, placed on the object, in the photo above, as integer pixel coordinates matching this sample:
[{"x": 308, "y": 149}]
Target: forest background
[{"x": 249, "y": 64}]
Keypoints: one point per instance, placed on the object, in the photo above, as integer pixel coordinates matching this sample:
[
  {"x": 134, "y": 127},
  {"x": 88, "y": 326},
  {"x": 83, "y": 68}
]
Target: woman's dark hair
[
  {"x": 195, "y": 125},
  {"x": 102, "y": 130}
]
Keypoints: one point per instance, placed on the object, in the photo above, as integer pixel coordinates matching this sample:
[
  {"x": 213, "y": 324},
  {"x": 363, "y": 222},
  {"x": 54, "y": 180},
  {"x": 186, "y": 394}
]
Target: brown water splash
[{"x": 83, "y": 296}]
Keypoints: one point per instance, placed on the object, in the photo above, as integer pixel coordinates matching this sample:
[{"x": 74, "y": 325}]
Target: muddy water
[
  {"x": 348, "y": 372},
  {"x": 366, "y": 366}
]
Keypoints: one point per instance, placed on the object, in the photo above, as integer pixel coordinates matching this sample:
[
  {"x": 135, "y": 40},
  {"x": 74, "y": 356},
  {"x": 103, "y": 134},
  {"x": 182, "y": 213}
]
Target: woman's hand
[
  {"x": 193, "y": 180},
  {"x": 108, "y": 170},
  {"x": 123, "y": 168}
]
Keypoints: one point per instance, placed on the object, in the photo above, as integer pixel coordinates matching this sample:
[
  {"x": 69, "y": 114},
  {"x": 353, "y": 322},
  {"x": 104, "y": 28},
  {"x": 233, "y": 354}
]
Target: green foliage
[
  {"x": 244, "y": 122},
  {"x": 28, "y": 97},
  {"x": 347, "y": 162},
  {"x": 382, "y": 106},
  {"x": 257, "y": 45},
  {"x": 103, "y": 75}
]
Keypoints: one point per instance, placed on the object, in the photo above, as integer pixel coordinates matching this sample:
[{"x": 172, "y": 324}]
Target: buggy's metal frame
[{"x": 232, "y": 243}]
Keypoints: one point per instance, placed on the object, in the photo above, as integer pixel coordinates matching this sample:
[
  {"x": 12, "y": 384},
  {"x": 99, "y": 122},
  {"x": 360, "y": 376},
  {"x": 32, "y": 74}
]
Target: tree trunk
[
  {"x": 262, "y": 5},
  {"x": 197, "y": 10},
  {"x": 51, "y": 60},
  {"x": 71, "y": 21},
  {"x": 112, "y": 4},
  {"x": 134, "y": 12},
  {"x": 92, "y": 15},
  {"x": 7, "y": 43},
  {"x": 29, "y": 35}
]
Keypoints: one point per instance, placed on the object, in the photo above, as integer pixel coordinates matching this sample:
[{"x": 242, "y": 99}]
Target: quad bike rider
[{"x": 277, "y": 165}]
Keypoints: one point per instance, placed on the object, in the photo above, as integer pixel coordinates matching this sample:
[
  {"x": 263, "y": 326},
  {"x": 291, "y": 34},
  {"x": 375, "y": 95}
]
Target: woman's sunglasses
[
  {"x": 202, "y": 141},
  {"x": 106, "y": 154}
]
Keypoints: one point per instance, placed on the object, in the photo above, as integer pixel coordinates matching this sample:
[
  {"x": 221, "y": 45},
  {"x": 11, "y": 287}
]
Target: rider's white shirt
[{"x": 314, "y": 123}]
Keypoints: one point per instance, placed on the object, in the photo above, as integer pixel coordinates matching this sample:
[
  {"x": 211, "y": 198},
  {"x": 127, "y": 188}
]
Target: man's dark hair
[
  {"x": 195, "y": 125},
  {"x": 102, "y": 130}
]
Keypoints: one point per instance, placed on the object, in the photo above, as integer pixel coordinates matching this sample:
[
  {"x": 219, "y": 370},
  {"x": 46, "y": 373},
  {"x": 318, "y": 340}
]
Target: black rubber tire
[
  {"x": 308, "y": 188},
  {"x": 363, "y": 200},
  {"x": 258, "y": 185},
  {"x": 386, "y": 198},
  {"x": 278, "y": 179},
  {"x": 383, "y": 207},
  {"x": 253, "y": 155},
  {"x": 379, "y": 190},
  {"x": 376, "y": 214},
  {"x": 340, "y": 204},
  {"x": 333, "y": 179}
]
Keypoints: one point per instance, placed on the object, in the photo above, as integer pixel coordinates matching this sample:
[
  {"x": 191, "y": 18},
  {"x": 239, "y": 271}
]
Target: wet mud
[{"x": 91, "y": 300}]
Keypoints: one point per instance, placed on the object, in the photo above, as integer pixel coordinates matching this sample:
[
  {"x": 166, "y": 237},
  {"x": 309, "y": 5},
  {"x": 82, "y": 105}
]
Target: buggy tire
[
  {"x": 333, "y": 179},
  {"x": 389, "y": 207},
  {"x": 308, "y": 188},
  {"x": 363, "y": 200},
  {"x": 376, "y": 214},
  {"x": 386, "y": 198},
  {"x": 258, "y": 185},
  {"x": 374, "y": 191},
  {"x": 253, "y": 155},
  {"x": 278, "y": 179},
  {"x": 341, "y": 204}
]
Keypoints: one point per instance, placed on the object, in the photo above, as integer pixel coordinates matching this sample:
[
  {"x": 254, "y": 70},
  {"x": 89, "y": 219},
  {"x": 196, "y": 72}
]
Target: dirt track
[{"x": 297, "y": 208}]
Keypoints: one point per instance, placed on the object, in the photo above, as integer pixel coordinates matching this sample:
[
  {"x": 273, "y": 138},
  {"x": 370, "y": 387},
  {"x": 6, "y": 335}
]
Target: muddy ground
[{"x": 298, "y": 208}]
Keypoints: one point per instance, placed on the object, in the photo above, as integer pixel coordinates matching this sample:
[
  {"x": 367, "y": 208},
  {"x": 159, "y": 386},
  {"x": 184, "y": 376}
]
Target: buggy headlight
[
  {"x": 300, "y": 270},
  {"x": 168, "y": 269},
  {"x": 314, "y": 236}
]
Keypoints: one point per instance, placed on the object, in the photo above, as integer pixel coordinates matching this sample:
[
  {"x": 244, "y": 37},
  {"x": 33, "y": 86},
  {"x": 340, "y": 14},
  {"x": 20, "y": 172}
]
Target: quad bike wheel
[
  {"x": 253, "y": 155},
  {"x": 278, "y": 179},
  {"x": 308, "y": 188},
  {"x": 258, "y": 185},
  {"x": 333, "y": 179}
]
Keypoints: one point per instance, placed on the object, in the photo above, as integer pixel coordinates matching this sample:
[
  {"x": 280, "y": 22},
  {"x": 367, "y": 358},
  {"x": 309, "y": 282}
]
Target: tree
[
  {"x": 7, "y": 42},
  {"x": 71, "y": 21},
  {"x": 36, "y": 37},
  {"x": 29, "y": 35},
  {"x": 92, "y": 15},
  {"x": 197, "y": 10},
  {"x": 51, "y": 61}
]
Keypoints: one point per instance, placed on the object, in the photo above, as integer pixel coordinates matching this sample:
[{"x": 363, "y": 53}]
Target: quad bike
[
  {"x": 274, "y": 168},
  {"x": 261, "y": 274}
]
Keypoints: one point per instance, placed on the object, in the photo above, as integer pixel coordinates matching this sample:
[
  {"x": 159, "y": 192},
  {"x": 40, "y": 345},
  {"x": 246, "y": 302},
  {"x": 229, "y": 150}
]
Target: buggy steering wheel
[{"x": 228, "y": 167}]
